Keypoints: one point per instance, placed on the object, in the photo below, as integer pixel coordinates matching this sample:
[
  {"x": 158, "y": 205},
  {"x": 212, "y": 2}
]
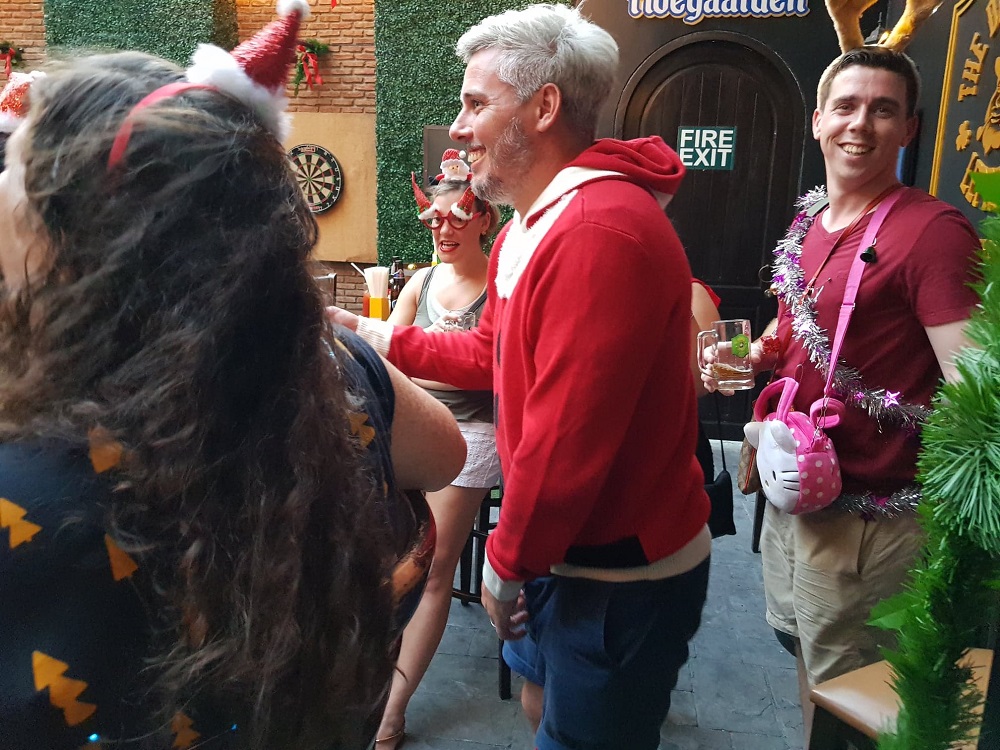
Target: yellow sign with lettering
[{"x": 967, "y": 147}]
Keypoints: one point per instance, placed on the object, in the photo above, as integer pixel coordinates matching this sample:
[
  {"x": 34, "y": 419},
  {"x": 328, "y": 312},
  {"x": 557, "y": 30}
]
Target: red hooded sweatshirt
[{"x": 585, "y": 340}]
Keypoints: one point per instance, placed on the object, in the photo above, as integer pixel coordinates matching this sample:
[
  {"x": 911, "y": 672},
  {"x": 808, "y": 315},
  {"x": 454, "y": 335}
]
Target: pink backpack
[{"x": 799, "y": 472}]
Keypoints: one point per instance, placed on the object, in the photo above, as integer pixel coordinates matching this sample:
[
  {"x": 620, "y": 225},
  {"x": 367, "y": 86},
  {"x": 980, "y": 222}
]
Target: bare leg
[
  {"x": 454, "y": 510},
  {"x": 531, "y": 702},
  {"x": 804, "y": 687}
]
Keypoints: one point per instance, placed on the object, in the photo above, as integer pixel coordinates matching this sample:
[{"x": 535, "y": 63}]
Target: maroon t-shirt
[{"x": 920, "y": 279}]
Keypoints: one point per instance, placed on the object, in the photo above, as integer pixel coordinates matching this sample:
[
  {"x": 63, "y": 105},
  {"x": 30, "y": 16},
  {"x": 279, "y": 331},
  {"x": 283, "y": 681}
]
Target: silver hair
[{"x": 550, "y": 44}]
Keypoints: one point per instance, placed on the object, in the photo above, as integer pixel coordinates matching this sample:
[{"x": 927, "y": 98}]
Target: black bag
[{"x": 720, "y": 492}]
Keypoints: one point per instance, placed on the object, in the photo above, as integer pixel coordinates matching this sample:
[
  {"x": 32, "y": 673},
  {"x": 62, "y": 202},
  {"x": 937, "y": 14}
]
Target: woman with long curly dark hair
[{"x": 202, "y": 537}]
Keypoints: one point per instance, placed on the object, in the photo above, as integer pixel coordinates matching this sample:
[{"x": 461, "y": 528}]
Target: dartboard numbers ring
[{"x": 319, "y": 176}]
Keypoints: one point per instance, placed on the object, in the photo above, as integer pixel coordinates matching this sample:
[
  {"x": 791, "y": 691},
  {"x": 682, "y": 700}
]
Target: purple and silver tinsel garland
[
  {"x": 881, "y": 404},
  {"x": 872, "y": 506}
]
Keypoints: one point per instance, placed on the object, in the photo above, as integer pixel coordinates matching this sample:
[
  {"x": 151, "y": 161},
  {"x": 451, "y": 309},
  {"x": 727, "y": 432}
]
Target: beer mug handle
[{"x": 702, "y": 337}]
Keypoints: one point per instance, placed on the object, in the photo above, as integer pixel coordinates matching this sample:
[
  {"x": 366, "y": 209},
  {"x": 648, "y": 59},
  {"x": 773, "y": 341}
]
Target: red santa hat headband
[
  {"x": 255, "y": 72},
  {"x": 14, "y": 100}
]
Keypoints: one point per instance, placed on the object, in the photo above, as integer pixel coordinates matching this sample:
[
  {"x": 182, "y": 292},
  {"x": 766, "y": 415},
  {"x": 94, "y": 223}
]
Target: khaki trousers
[{"x": 823, "y": 573}]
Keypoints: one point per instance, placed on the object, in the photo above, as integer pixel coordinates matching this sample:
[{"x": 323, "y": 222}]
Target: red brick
[{"x": 348, "y": 71}]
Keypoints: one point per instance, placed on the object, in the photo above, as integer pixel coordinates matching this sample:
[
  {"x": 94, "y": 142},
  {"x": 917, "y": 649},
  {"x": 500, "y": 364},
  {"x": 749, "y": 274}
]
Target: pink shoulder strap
[{"x": 854, "y": 281}]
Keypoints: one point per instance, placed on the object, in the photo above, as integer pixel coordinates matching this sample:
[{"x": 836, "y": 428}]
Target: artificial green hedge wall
[
  {"x": 168, "y": 28},
  {"x": 417, "y": 82}
]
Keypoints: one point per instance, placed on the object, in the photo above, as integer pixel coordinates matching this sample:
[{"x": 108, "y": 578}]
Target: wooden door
[{"x": 728, "y": 220}]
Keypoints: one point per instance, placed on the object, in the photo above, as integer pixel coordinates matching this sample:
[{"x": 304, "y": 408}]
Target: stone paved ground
[{"x": 737, "y": 692}]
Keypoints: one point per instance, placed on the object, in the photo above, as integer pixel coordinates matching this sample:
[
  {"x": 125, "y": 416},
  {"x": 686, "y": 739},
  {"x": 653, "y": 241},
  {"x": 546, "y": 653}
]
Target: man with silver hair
[{"x": 597, "y": 571}]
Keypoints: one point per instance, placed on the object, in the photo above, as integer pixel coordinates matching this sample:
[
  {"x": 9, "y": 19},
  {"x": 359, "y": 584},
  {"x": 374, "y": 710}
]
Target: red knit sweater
[{"x": 589, "y": 360}]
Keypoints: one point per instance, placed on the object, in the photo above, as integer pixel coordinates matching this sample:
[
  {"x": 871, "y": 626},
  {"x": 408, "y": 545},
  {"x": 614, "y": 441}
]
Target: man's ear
[
  {"x": 548, "y": 106},
  {"x": 817, "y": 116},
  {"x": 912, "y": 124}
]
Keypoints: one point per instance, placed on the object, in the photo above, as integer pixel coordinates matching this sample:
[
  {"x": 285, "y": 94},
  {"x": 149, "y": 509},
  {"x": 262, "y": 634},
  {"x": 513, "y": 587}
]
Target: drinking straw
[{"x": 377, "y": 279}]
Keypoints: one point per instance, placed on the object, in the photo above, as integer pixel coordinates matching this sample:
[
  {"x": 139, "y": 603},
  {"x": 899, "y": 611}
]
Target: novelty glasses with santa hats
[{"x": 453, "y": 170}]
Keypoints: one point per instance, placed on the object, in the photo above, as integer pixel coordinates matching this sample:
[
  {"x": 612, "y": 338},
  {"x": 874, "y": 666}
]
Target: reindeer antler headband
[{"x": 846, "y": 16}]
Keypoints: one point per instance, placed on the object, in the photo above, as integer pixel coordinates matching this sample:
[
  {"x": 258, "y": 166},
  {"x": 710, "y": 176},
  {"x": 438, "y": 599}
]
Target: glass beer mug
[{"x": 730, "y": 365}]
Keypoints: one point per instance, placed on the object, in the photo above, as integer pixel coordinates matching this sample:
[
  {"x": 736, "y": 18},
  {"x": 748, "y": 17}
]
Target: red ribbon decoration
[
  {"x": 310, "y": 66},
  {"x": 8, "y": 58}
]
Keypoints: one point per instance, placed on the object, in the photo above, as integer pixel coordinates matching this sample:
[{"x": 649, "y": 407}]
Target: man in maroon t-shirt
[{"x": 824, "y": 571}]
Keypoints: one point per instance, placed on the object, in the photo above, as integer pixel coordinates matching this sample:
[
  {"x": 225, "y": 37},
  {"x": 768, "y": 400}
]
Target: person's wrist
[
  {"x": 502, "y": 591},
  {"x": 764, "y": 354},
  {"x": 377, "y": 333},
  {"x": 770, "y": 345}
]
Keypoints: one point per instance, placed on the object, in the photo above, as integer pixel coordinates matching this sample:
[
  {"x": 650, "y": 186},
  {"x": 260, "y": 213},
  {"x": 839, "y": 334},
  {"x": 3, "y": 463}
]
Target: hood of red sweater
[{"x": 648, "y": 162}]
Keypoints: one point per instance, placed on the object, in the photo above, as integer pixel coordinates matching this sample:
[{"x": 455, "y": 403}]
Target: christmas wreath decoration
[
  {"x": 10, "y": 56},
  {"x": 952, "y": 591},
  {"x": 307, "y": 55}
]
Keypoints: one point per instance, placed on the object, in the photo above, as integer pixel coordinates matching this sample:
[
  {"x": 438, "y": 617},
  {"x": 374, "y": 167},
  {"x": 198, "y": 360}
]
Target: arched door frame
[
  {"x": 787, "y": 126},
  {"x": 696, "y": 37}
]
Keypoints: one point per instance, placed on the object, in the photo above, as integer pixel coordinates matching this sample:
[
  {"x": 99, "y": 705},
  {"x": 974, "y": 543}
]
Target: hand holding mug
[
  {"x": 706, "y": 357},
  {"x": 724, "y": 356},
  {"x": 457, "y": 320}
]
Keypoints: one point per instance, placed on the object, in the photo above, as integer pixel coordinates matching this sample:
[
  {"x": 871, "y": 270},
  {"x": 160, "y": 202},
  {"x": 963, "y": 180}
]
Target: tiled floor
[{"x": 737, "y": 692}]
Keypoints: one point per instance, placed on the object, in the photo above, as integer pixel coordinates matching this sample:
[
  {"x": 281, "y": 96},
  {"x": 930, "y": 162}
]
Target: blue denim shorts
[{"x": 607, "y": 656}]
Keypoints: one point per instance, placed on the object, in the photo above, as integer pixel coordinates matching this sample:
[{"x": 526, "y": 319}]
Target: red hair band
[{"x": 125, "y": 131}]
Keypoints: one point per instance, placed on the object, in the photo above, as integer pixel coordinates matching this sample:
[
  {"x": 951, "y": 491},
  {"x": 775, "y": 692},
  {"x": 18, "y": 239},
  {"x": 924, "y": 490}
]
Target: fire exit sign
[{"x": 707, "y": 148}]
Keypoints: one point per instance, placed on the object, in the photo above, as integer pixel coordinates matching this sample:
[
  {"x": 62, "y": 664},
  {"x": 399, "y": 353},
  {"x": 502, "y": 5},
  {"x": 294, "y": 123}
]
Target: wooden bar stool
[
  {"x": 853, "y": 708},
  {"x": 470, "y": 564}
]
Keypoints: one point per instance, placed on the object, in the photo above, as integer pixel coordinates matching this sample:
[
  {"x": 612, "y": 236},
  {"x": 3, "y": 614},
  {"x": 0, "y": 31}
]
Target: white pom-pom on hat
[
  {"x": 213, "y": 66},
  {"x": 256, "y": 72},
  {"x": 287, "y": 7}
]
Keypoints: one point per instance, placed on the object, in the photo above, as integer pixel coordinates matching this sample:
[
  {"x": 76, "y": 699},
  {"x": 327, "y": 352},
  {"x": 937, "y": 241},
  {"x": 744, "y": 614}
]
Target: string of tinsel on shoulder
[{"x": 881, "y": 404}]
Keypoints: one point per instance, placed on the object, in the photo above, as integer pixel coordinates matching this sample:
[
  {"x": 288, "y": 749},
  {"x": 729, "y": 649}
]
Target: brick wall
[
  {"x": 350, "y": 284},
  {"x": 22, "y": 24},
  {"x": 348, "y": 70}
]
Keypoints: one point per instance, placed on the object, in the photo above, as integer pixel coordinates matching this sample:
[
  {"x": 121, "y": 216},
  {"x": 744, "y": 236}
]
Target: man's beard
[{"x": 511, "y": 154}]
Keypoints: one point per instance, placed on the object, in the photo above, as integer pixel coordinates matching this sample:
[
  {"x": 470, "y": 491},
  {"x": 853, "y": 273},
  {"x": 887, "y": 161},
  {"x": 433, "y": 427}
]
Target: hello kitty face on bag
[{"x": 798, "y": 467}]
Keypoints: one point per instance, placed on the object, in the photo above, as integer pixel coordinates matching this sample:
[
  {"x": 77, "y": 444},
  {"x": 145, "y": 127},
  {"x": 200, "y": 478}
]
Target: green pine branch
[
  {"x": 313, "y": 46},
  {"x": 950, "y": 594}
]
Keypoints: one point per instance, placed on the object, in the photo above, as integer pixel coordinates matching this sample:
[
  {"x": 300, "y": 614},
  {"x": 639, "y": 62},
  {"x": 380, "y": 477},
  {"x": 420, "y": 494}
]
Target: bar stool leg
[
  {"x": 465, "y": 570},
  {"x": 758, "y": 521},
  {"x": 503, "y": 674}
]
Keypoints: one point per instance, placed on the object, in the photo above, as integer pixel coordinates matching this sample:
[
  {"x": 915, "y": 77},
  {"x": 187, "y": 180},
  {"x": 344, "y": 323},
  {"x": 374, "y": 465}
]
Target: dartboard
[{"x": 318, "y": 174}]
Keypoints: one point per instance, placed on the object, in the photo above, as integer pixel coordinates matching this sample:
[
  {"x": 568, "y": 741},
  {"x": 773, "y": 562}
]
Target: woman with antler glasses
[{"x": 447, "y": 296}]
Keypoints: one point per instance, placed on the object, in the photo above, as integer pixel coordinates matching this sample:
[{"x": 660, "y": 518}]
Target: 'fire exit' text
[{"x": 707, "y": 148}]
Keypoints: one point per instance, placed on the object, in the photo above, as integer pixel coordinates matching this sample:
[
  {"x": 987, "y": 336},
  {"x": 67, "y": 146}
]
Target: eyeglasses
[{"x": 457, "y": 222}]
